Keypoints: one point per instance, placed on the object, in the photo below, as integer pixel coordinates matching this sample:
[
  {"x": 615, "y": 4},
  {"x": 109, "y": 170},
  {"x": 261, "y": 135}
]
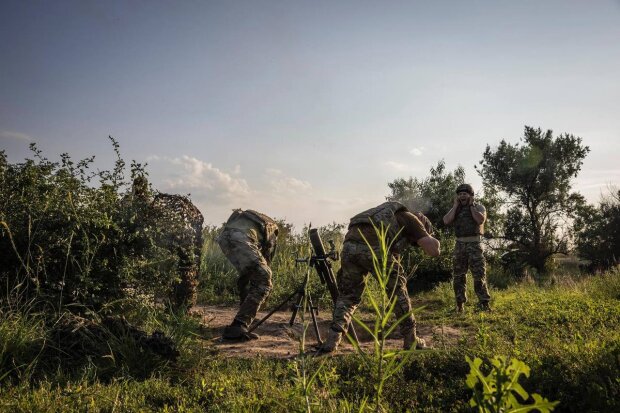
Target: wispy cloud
[
  {"x": 189, "y": 174},
  {"x": 5, "y": 134},
  {"x": 417, "y": 151},
  {"x": 399, "y": 166},
  {"x": 281, "y": 183},
  {"x": 275, "y": 192}
]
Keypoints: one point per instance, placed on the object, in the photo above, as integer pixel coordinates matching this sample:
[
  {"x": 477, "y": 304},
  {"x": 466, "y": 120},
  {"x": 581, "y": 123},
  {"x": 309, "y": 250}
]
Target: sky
[{"x": 305, "y": 110}]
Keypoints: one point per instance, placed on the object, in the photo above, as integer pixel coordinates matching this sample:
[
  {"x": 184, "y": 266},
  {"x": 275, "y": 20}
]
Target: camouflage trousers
[
  {"x": 356, "y": 264},
  {"x": 243, "y": 251},
  {"x": 468, "y": 256}
]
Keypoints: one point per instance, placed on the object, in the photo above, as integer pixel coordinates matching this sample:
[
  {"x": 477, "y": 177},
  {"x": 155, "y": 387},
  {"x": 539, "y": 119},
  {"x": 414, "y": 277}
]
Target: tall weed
[
  {"x": 496, "y": 391},
  {"x": 382, "y": 362}
]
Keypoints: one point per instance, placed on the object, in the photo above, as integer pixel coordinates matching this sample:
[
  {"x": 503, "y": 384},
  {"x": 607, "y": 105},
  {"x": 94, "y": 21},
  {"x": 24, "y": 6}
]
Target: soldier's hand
[{"x": 456, "y": 202}]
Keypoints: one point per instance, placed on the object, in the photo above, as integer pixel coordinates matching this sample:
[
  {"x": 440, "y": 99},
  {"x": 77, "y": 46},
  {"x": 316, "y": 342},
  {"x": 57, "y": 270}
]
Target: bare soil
[{"x": 279, "y": 339}]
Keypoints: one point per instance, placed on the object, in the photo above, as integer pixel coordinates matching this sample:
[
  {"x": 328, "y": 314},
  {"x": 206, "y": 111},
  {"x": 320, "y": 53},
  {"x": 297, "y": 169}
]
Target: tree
[
  {"x": 598, "y": 233},
  {"x": 433, "y": 196},
  {"x": 533, "y": 178}
]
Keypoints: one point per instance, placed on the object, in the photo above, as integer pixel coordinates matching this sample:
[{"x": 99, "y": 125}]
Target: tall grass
[
  {"x": 382, "y": 362},
  {"x": 22, "y": 340}
]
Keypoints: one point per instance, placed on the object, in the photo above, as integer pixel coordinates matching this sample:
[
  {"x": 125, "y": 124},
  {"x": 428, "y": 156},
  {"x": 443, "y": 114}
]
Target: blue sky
[{"x": 305, "y": 110}]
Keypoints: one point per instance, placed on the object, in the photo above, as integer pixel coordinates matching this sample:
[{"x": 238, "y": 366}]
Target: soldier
[
  {"x": 468, "y": 218},
  {"x": 404, "y": 228},
  {"x": 172, "y": 222},
  {"x": 249, "y": 242}
]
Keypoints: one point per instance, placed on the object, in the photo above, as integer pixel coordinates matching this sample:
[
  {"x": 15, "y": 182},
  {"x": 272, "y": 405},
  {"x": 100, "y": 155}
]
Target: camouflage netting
[
  {"x": 171, "y": 224},
  {"x": 186, "y": 241}
]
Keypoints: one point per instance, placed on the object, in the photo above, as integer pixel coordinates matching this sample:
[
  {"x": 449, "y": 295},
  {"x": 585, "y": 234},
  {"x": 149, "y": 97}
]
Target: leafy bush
[
  {"x": 68, "y": 235},
  {"x": 598, "y": 233},
  {"x": 496, "y": 392}
]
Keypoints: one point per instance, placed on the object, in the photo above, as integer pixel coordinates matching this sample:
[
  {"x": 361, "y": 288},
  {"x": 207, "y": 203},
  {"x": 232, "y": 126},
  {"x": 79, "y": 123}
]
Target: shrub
[
  {"x": 69, "y": 236},
  {"x": 496, "y": 392}
]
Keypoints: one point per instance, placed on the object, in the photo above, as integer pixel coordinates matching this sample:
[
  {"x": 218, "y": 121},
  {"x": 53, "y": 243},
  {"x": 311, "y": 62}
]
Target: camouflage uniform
[
  {"x": 468, "y": 254},
  {"x": 248, "y": 240},
  {"x": 357, "y": 262}
]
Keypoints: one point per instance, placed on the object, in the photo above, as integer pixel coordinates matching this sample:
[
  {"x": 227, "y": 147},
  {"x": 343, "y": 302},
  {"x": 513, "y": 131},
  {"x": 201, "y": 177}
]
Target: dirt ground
[{"x": 278, "y": 339}]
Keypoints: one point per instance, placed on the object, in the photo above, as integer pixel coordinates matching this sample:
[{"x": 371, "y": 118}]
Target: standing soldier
[
  {"x": 468, "y": 218},
  {"x": 404, "y": 229},
  {"x": 249, "y": 242}
]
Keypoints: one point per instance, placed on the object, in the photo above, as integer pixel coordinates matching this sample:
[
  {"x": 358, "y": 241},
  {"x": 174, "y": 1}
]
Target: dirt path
[{"x": 280, "y": 340}]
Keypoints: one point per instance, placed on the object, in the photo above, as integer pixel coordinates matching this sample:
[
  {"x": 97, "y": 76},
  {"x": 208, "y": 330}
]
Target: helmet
[{"x": 465, "y": 188}]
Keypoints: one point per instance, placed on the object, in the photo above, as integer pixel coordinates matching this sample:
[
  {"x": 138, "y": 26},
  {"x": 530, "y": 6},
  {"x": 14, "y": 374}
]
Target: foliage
[
  {"x": 598, "y": 233},
  {"x": 496, "y": 392},
  {"x": 567, "y": 332},
  {"x": 433, "y": 196},
  {"x": 69, "y": 235},
  {"x": 22, "y": 339},
  {"x": 534, "y": 179}
]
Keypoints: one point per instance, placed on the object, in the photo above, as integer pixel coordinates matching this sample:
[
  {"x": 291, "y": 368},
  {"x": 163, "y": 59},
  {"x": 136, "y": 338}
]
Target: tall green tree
[
  {"x": 598, "y": 233},
  {"x": 533, "y": 177}
]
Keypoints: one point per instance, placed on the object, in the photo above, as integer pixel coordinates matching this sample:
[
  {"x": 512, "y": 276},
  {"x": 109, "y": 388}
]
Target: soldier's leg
[
  {"x": 257, "y": 292},
  {"x": 351, "y": 286},
  {"x": 243, "y": 252},
  {"x": 243, "y": 284},
  {"x": 351, "y": 283},
  {"x": 397, "y": 284},
  {"x": 460, "y": 267},
  {"x": 478, "y": 270}
]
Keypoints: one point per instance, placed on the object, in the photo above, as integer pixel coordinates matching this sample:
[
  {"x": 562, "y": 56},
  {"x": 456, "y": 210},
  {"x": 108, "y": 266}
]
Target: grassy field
[{"x": 568, "y": 332}]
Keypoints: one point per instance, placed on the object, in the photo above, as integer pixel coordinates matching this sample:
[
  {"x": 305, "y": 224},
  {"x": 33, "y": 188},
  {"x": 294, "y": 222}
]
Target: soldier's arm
[
  {"x": 430, "y": 246},
  {"x": 449, "y": 217},
  {"x": 416, "y": 233},
  {"x": 479, "y": 213}
]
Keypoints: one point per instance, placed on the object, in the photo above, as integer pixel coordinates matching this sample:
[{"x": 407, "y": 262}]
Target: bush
[
  {"x": 68, "y": 234},
  {"x": 598, "y": 233}
]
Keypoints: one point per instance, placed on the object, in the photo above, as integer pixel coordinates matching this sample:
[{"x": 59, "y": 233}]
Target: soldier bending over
[
  {"x": 249, "y": 242},
  {"x": 404, "y": 228}
]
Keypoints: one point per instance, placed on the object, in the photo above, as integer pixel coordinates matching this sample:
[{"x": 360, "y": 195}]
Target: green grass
[{"x": 568, "y": 333}]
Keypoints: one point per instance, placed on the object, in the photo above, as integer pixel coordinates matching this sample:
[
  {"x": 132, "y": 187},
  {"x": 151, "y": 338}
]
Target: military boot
[
  {"x": 484, "y": 306},
  {"x": 238, "y": 331},
  {"x": 331, "y": 343},
  {"x": 412, "y": 342}
]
